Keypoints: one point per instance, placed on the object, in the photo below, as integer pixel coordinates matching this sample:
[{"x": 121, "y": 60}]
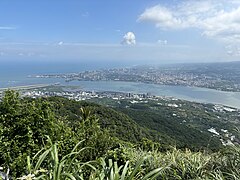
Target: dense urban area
[{"x": 219, "y": 76}]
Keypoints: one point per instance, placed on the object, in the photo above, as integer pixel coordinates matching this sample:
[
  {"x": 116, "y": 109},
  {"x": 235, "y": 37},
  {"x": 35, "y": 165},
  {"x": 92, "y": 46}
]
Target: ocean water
[
  {"x": 16, "y": 74},
  {"x": 24, "y": 68}
]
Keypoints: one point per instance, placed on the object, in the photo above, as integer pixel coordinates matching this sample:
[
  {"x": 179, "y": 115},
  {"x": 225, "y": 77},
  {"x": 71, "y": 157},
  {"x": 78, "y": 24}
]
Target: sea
[{"x": 17, "y": 73}]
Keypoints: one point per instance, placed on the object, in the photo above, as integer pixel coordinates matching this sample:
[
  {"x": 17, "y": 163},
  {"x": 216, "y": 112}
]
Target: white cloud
[
  {"x": 161, "y": 16},
  {"x": 129, "y": 38},
  {"x": 233, "y": 50},
  {"x": 60, "y": 43},
  {"x": 7, "y": 28},
  {"x": 162, "y": 42},
  {"x": 152, "y": 52},
  {"x": 218, "y": 19}
]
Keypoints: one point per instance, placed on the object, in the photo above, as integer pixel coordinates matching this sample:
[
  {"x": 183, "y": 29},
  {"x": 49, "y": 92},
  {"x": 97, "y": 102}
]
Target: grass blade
[
  {"x": 124, "y": 172},
  {"x": 41, "y": 159},
  {"x": 70, "y": 176},
  {"x": 139, "y": 163}
]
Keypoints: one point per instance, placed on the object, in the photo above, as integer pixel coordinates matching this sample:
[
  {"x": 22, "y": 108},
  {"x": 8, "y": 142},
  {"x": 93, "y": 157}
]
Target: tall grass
[
  {"x": 142, "y": 165},
  {"x": 47, "y": 165},
  {"x": 112, "y": 171},
  {"x": 177, "y": 164},
  {"x": 137, "y": 164}
]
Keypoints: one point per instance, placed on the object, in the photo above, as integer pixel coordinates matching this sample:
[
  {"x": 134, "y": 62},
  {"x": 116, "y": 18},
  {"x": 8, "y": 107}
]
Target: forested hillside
[
  {"x": 188, "y": 124},
  {"x": 55, "y": 138},
  {"x": 118, "y": 124}
]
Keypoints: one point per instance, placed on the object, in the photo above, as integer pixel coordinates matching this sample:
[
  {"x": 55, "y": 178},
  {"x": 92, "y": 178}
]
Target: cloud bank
[
  {"x": 217, "y": 19},
  {"x": 151, "y": 53}
]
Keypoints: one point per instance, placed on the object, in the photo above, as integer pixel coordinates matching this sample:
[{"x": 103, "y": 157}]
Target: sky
[{"x": 137, "y": 31}]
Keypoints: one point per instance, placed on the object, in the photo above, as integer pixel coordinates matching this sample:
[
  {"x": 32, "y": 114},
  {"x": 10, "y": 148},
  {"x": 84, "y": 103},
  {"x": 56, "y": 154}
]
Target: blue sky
[{"x": 138, "y": 31}]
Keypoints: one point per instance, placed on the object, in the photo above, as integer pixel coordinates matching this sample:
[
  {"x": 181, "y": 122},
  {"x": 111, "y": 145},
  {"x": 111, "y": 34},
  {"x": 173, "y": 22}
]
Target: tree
[{"x": 23, "y": 128}]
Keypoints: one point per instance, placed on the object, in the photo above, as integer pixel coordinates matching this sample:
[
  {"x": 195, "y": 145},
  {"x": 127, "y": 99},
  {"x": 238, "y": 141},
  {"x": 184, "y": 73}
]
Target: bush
[{"x": 24, "y": 126}]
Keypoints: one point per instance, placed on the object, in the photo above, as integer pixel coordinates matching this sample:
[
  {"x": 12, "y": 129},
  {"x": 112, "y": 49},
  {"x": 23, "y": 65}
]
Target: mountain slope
[{"x": 119, "y": 124}]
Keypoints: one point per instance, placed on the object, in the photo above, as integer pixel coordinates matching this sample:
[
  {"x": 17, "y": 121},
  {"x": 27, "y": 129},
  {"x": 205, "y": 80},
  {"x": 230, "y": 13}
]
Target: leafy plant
[
  {"x": 124, "y": 172},
  {"x": 49, "y": 166},
  {"x": 24, "y": 125}
]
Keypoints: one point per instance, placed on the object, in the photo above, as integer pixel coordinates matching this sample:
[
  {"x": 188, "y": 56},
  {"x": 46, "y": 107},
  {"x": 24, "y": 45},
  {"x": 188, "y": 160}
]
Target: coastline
[
  {"x": 194, "y": 94},
  {"x": 25, "y": 87}
]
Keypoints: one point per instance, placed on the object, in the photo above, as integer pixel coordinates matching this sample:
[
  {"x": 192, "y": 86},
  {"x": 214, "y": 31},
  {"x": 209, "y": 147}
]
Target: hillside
[
  {"x": 55, "y": 138},
  {"x": 145, "y": 120},
  {"x": 189, "y": 124},
  {"x": 119, "y": 124}
]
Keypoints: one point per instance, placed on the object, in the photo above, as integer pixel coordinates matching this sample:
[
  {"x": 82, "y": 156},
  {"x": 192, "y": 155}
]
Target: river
[{"x": 181, "y": 92}]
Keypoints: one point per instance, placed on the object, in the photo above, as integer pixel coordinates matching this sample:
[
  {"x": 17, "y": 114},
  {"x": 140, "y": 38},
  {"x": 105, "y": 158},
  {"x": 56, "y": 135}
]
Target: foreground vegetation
[{"x": 40, "y": 140}]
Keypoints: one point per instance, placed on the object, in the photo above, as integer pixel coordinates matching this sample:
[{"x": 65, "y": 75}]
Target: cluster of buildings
[
  {"x": 152, "y": 75},
  {"x": 86, "y": 95}
]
